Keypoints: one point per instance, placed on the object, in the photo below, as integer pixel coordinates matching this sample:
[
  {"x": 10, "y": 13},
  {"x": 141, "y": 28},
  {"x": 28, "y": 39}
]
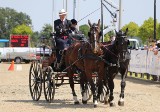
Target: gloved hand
[{"x": 64, "y": 30}]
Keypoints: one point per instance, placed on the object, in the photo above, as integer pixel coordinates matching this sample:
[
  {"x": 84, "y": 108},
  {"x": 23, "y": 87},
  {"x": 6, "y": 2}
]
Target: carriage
[
  {"x": 43, "y": 75},
  {"x": 85, "y": 66}
]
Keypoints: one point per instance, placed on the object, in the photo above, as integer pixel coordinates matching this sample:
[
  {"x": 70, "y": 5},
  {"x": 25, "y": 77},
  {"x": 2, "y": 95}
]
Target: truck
[
  {"x": 18, "y": 54},
  {"x": 134, "y": 44}
]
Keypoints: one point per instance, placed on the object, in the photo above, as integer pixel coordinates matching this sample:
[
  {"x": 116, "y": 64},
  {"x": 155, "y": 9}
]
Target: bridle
[
  {"x": 94, "y": 36},
  {"x": 123, "y": 54},
  {"x": 94, "y": 27}
]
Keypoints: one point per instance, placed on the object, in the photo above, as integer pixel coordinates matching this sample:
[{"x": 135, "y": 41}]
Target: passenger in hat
[
  {"x": 74, "y": 33},
  {"x": 73, "y": 27}
]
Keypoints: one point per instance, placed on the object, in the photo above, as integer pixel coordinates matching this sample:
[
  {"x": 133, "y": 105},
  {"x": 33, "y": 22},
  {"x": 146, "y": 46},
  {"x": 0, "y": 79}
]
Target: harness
[
  {"x": 94, "y": 57},
  {"x": 125, "y": 55}
]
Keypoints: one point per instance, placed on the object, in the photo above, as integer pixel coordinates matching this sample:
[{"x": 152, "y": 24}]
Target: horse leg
[
  {"x": 123, "y": 84},
  {"x": 99, "y": 85},
  {"x": 111, "y": 87},
  {"x": 106, "y": 88},
  {"x": 71, "y": 82},
  {"x": 83, "y": 84},
  {"x": 93, "y": 89}
]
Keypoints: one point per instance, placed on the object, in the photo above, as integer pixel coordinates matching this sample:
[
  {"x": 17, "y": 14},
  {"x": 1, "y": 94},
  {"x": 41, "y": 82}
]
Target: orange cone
[{"x": 11, "y": 68}]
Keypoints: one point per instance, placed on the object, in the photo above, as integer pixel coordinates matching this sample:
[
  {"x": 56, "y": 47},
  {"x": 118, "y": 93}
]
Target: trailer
[{"x": 18, "y": 54}]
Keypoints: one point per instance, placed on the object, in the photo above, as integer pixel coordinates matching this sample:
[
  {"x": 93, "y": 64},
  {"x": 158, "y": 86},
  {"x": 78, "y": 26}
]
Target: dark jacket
[
  {"x": 60, "y": 28},
  {"x": 75, "y": 34},
  {"x": 74, "y": 31}
]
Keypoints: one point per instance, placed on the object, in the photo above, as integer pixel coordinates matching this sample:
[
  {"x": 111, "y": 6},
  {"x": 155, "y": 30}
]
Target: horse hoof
[
  {"x": 106, "y": 102},
  {"x": 76, "y": 103},
  {"x": 120, "y": 103},
  {"x": 84, "y": 102},
  {"x": 112, "y": 105},
  {"x": 95, "y": 106}
]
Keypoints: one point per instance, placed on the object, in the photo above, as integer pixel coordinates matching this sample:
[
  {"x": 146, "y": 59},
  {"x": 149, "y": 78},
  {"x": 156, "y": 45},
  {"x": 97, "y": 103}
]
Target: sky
[{"x": 44, "y": 12}]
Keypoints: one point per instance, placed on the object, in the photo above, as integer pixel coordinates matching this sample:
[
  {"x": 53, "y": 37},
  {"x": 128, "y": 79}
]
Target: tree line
[{"x": 13, "y": 22}]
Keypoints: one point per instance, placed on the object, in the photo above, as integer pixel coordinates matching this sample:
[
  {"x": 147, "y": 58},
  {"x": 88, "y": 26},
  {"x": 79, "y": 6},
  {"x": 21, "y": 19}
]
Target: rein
[{"x": 110, "y": 51}]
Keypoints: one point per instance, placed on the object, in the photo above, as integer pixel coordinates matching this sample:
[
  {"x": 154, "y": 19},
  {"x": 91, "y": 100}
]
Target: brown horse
[{"x": 84, "y": 57}]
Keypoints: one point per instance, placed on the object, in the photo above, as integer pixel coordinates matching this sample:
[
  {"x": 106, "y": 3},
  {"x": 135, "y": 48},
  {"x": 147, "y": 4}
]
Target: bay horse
[
  {"x": 85, "y": 57},
  {"x": 117, "y": 55}
]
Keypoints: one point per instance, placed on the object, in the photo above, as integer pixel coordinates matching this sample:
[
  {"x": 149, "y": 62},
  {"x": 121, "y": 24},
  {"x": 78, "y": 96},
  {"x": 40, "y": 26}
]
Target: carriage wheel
[
  {"x": 49, "y": 84},
  {"x": 35, "y": 80}
]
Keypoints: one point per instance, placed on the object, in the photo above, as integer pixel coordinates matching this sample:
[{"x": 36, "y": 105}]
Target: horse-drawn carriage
[
  {"x": 87, "y": 63},
  {"x": 45, "y": 75}
]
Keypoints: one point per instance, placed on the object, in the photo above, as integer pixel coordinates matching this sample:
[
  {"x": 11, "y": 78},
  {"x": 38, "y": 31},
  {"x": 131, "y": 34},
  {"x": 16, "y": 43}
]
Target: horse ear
[
  {"x": 100, "y": 33},
  {"x": 116, "y": 32},
  {"x": 126, "y": 31},
  {"x": 99, "y": 23},
  {"x": 89, "y": 22},
  {"x": 128, "y": 42}
]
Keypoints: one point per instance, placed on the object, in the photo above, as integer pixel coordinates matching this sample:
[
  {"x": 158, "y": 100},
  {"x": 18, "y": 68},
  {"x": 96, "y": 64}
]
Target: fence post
[
  {"x": 148, "y": 76},
  {"x": 131, "y": 74},
  {"x": 142, "y": 75},
  {"x": 136, "y": 74}
]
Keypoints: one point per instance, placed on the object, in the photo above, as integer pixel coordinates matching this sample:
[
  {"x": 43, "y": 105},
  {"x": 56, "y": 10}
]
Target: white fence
[{"x": 143, "y": 61}]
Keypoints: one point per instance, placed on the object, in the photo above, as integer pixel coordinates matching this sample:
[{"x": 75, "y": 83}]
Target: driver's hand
[{"x": 64, "y": 30}]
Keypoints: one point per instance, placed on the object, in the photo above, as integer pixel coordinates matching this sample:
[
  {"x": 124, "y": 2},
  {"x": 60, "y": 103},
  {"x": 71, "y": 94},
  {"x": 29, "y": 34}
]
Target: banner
[{"x": 143, "y": 61}]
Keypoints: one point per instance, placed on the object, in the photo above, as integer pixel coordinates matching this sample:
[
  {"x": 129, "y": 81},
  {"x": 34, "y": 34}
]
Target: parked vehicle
[
  {"x": 134, "y": 44},
  {"x": 4, "y": 43},
  {"x": 18, "y": 54}
]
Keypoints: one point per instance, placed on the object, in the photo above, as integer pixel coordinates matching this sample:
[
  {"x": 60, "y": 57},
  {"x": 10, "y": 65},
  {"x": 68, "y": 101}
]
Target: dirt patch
[{"x": 140, "y": 96}]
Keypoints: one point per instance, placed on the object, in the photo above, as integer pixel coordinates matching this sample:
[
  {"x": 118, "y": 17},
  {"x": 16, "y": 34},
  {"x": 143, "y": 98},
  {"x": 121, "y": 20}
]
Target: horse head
[
  {"x": 121, "y": 41},
  {"x": 94, "y": 36}
]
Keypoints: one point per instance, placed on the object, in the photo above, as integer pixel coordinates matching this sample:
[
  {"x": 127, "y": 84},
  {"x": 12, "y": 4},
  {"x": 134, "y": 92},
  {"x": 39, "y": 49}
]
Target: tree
[
  {"x": 35, "y": 39},
  {"x": 146, "y": 31},
  {"x": 46, "y": 31},
  {"x": 9, "y": 19},
  {"x": 84, "y": 29},
  {"x": 133, "y": 29},
  {"x": 22, "y": 30},
  {"x": 158, "y": 31},
  {"x": 108, "y": 35}
]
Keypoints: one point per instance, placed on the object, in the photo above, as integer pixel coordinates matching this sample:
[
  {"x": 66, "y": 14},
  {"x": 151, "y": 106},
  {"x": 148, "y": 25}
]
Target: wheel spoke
[
  {"x": 32, "y": 75},
  {"x": 33, "y": 83},
  {"x": 33, "y": 92}
]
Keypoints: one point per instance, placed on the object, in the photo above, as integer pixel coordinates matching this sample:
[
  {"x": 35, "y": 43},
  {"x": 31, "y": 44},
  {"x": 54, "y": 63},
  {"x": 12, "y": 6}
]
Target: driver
[{"x": 61, "y": 27}]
